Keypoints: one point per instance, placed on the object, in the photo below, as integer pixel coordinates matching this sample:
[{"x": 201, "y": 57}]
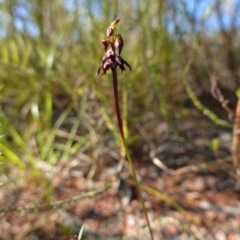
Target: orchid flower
[{"x": 112, "y": 44}]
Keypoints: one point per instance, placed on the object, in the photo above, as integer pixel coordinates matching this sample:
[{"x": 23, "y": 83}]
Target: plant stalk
[
  {"x": 116, "y": 99},
  {"x": 120, "y": 125}
]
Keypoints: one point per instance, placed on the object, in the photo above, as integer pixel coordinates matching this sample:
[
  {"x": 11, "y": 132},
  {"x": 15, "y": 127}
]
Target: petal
[
  {"x": 98, "y": 71},
  {"x": 119, "y": 60},
  {"x": 105, "y": 44},
  {"x": 122, "y": 68},
  {"x": 122, "y": 62},
  {"x": 127, "y": 64},
  {"x": 109, "y": 55},
  {"x": 118, "y": 43},
  {"x": 105, "y": 70},
  {"x": 115, "y": 23},
  {"x": 110, "y": 31}
]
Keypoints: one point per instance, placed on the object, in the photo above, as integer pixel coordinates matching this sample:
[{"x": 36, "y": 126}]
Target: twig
[
  {"x": 226, "y": 209},
  {"x": 217, "y": 94},
  {"x": 57, "y": 204},
  {"x": 207, "y": 112},
  {"x": 236, "y": 138}
]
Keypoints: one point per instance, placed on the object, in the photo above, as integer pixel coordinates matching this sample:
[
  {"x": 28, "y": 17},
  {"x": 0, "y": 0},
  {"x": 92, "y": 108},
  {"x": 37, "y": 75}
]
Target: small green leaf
[
  {"x": 80, "y": 232},
  {"x": 215, "y": 144},
  {"x": 238, "y": 92},
  {"x": 14, "y": 51}
]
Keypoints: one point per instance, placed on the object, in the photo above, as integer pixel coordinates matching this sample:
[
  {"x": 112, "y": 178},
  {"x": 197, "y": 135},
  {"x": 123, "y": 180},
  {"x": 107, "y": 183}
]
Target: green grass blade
[
  {"x": 52, "y": 134},
  {"x": 11, "y": 157}
]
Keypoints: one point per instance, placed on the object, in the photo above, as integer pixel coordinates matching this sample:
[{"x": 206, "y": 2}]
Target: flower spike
[
  {"x": 111, "y": 60},
  {"x": 112, "y": 44}
]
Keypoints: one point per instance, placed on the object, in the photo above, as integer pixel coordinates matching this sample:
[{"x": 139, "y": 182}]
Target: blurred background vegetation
[{"x": 54, "y": 109}]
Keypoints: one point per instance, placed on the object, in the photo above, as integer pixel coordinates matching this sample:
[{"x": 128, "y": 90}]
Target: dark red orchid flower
[
  {"x": 112, "y": 44},
  {"x": 112, "y": 60}
]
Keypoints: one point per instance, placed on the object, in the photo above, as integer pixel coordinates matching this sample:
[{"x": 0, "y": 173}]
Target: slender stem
[
  {"x": 120, "y": 125},
  {"x": 116, "y": 99}
]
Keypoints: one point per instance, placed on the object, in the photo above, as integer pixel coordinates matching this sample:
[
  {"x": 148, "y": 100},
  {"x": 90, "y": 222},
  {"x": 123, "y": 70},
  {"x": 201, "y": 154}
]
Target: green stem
[{"x": 120, "y": 125}]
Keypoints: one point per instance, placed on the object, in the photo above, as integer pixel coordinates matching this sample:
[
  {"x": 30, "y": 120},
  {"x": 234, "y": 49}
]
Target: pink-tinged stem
[
  {"x": 116, "y": 99},
  {"x": 120, "y": 125}
]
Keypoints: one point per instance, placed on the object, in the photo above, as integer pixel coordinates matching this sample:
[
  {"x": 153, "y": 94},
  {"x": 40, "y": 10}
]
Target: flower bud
[
  {"x": 118, "y": 43},
  {"x": 110, "y": 30},
  {"x": 105, "y": 44}
]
